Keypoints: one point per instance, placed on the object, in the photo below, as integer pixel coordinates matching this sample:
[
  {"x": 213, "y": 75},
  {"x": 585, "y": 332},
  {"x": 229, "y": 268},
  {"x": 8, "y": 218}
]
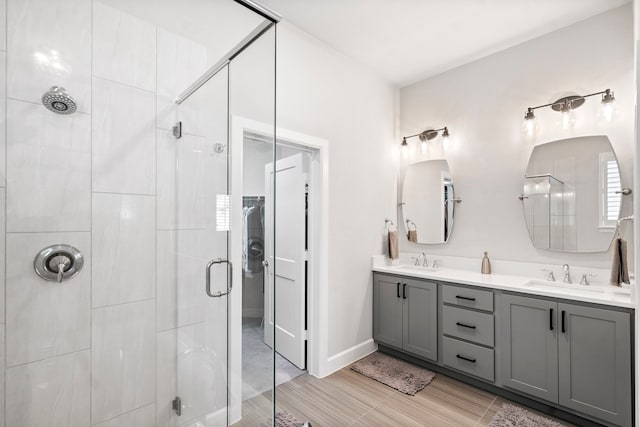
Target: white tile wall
[
  {"x": 3, "y": 26},
  {"x": 123, "y": 354},
  {"x": 3, "y": 115},
  {"x": 52, "y": 392},
  {"x": 180, "y": 62},
  {"x": 124, "y": 138},
  {"x": 45, "y": 319},
  {"x": 124, "y": 48},
  {"x": 48, "y": 169},
  {"x": 50, "y": 44},
  {"x": 188, "y": 357},
  {"x": 2, "y": 257},
  {"x": 166, "y": 377},
  {"x": 182, "y": 256},
  {"x": 143, "y": 417},
  {"x": 123, "y": 241},
  {"x": 190, "y": 174}
]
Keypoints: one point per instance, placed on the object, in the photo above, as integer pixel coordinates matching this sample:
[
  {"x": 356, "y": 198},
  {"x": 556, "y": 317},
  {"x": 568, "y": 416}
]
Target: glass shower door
[{"x": 193, "y": 159}]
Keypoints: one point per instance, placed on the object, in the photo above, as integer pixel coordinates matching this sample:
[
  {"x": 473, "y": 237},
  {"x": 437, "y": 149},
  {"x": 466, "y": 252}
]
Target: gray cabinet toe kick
[{"x": 569, "y": 358}]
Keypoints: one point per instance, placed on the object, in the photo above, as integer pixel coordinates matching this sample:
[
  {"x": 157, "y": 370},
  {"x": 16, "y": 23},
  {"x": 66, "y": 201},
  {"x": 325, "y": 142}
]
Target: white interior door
[{"x": 286, "y": 278}]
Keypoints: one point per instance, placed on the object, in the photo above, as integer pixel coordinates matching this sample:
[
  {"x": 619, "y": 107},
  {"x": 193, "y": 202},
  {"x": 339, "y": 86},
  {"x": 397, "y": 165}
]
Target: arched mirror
[
  {"x": 428, "y": 202},
  {"x": 572, "y": 194}
]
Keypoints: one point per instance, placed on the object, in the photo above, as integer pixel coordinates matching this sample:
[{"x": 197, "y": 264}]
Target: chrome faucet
[
  {"x": 585, "y": 281},
  {"x": 567, "y": 275},
  {"x": 425, "y": 263},
  {"x": 550, "y": 276}
]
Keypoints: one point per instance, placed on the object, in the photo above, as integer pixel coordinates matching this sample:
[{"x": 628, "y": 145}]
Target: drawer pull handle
[
  {"x": 398, "y": 289},
  {"x": 468, "y": 359},
  {"x": 551, "y": 319},
  {"x": 465, "y": 298},
  {"x": 564, "y": 329},
  {"x": 464, "y": 325},
  {"x": 404, "y": 291}
]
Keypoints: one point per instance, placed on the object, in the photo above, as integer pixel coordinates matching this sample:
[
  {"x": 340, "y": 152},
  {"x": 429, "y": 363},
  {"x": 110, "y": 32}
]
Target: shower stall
[{"x": 117, "y": 300}]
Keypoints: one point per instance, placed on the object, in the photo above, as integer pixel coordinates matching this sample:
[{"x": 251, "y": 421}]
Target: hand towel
[
  {"x": 393, "y": 244},
  {"x": 412, "y": 235},
  {"x": 619, "y": 265}
]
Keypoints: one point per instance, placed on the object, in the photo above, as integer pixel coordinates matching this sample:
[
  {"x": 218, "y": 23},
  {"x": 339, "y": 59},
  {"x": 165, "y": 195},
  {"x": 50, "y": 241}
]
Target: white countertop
[{"x": 596, "y": 294}]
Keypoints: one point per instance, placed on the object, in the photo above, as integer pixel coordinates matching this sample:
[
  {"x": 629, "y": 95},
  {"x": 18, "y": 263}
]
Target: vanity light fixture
[
  {"x": 424, "y": 137},
  {"x": 566, "y": 106}
]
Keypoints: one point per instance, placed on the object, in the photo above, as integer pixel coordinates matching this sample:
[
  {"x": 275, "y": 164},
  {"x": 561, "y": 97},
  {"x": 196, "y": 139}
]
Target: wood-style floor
[{"x": 347, "y": 398}]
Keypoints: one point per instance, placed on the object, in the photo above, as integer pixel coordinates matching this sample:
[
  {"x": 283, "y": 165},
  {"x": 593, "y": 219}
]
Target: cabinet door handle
[
  {"x": 468, "y": 359},
  {"x": 465, "y": 298},
  {"x": 563, "y": 323},
  {"x": 404, "y": 291},
  {"x": 398, "y": 289},
  {"x": 464, "y": 325},
  {"x": 551, "y": 319}
]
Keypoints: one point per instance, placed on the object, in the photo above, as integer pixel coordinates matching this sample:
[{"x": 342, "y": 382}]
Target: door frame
[{"x": 317, "y": 290}]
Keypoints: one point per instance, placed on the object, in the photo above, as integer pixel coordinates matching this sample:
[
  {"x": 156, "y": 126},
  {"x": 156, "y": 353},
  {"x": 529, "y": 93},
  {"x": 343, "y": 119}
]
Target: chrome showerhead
[{"x": 59, "y": 101}]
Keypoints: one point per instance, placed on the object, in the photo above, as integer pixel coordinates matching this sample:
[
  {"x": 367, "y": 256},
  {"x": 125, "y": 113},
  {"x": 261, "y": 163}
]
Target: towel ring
[
  {"x": 620, "y": 221},
  {"x": 388, "y": 224}
]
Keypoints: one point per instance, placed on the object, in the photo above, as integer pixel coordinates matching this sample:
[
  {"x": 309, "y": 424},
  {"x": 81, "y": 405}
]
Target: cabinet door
[
  {"x": 420, "y": 318},
  {"x": 530, "y": 346},
  {"x": 387, "y": 310},
  {"x": 595, "y": 362}
]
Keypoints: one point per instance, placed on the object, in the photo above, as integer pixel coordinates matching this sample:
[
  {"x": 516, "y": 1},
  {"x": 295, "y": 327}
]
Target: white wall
[
  {"x": 483, "y": 104},
  {"x": 324, "y": 94}
]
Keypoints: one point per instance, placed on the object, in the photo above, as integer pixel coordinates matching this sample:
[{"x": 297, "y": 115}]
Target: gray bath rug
[
  {"x": 283, "y": 419},
  {"x": 396, "y": 373},
  {"x": 515, "y": 416}
]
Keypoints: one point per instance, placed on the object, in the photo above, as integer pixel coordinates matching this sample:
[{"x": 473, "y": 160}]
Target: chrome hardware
[
  {"x": 567, "y": 275},
  {"x": 585, "y": 281},
  {"x": 177, "y": 130},
  {"x": 436, "y": 263},
  {"x": 265, "y": 263},
  {"x": 176, "y": 405},
  {"x": 417, "y": 260},
  {"x": 57, "y": 263},
  {"x": 550, "y": 276},
  {"x": 208, "y": 278},
  {"x": 425, "y": 263},
  {"x": 624, "y": 191}
]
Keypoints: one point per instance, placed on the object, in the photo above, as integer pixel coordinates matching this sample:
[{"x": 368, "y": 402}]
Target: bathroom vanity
[{"x": 564, "y": 347}]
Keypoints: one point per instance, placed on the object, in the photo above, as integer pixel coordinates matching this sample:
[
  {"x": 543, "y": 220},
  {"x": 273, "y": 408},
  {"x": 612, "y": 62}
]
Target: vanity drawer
[
  {"x": 467, "y": 297},
  {"x": 469, "y": 358},
  {"x": 468, "y": 325}
]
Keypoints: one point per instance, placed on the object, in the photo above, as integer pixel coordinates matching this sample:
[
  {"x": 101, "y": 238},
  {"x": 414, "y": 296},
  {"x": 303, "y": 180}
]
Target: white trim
[
  {"x": 317, "y": 356},
  {"x": 348, "y": 356}
]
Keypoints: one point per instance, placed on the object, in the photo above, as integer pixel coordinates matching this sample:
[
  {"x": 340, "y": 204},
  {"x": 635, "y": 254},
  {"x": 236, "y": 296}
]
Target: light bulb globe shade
[
  {"x": 607, "y": 105},
  {"x": 423, "y": 147},
  {"x": 404, "y": 148},
  {"x": 529, "y": 126},
  {"x": 568, "y": 119}
]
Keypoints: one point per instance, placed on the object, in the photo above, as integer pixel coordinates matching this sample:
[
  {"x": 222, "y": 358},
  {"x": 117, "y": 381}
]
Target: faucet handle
[
  {"x": 550, "y": 276},
  {"x": 436, "y": 263},
  {"x": 584, "y": 281}
]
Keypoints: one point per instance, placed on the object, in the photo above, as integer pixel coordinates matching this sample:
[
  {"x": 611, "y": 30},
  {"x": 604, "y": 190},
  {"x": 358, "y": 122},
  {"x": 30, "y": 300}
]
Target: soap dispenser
[{"x": 486, "y": 264}]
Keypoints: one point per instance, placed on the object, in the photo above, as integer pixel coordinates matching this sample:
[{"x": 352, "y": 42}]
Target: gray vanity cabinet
[
  {"x": 387, "y": 310},
  {"x": 594, "y": 353},
  {"x": 530, "y": 346},
  {"x": 573, "y": 355},
  {"x": 405, "y": 314},
  {"x": 420, "y": 319}
]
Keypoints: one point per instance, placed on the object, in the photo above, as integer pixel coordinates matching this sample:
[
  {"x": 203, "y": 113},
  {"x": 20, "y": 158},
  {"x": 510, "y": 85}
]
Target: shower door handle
[{"x": 208, "y": 277}]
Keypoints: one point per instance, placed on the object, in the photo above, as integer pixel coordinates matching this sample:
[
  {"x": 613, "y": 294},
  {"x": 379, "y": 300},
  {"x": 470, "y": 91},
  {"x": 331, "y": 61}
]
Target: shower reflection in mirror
[{"x": 572, "y": 194}]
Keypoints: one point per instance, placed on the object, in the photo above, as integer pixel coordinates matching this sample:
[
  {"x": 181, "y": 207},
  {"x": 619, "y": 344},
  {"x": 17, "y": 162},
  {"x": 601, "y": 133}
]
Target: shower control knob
[{"x": 57, "y": 263}]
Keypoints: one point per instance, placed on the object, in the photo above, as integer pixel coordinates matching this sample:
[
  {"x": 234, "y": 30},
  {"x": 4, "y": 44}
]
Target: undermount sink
[
  {"x": 559, "y": 286},
  {"x": 419, "y": 268}
]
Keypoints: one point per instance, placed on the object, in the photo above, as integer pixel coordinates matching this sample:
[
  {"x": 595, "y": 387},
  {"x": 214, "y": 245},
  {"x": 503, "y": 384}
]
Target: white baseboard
[{"x": 347, "y": 357}]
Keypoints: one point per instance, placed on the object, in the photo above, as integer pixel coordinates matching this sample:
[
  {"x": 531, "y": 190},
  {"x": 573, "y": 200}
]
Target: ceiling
[{"x": 405, "y": 41}]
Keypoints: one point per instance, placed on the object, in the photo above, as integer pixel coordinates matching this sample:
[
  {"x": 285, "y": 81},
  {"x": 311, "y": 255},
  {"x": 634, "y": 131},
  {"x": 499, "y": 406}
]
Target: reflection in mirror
[
  {"x": 572, "y": 195},
  {"x": 428, "y": 202}
]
